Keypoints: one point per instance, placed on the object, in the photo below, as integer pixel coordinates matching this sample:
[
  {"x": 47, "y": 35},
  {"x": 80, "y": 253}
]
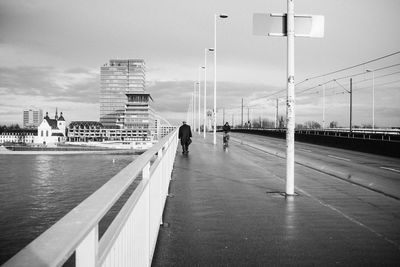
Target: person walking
[{"x": 184, "y": 134}]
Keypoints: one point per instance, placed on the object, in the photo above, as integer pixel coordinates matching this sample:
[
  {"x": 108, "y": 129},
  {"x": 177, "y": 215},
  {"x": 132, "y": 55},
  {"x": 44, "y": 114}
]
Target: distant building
[
  {"x": 126, "y": 113},
  {"x": 25, "y": 136},
  {"x": 138, "y": 115},
  {"x": 32, "y": 118},
  {"x": 125, "y": 106},
  {"x": 84, "y": 131},
  {"x": 51, "y": 131},
  {"x": 93, "y": 131},
  {"x": 162, "y": 129},
  {"x": 166, "y": 129},
  {"x": 118, "y": 78}
]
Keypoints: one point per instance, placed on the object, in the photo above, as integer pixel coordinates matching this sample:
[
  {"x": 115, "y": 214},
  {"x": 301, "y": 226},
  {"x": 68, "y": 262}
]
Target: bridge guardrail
[
  {"x": 387, "y": 145},
  {"x": 131, "y": 238}
]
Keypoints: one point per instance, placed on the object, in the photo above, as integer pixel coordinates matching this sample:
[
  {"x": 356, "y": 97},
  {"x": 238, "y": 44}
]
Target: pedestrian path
[{"x": 226, "y": 209}]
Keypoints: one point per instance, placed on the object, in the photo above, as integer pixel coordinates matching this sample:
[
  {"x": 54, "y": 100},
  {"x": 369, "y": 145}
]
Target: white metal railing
[{"x": 131, "y": 238}]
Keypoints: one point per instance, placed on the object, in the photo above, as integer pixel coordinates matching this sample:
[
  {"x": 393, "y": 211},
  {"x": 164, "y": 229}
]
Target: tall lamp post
[
  {"x": 194, "y": 107},
  {"x": 323, "y": 107},
  {"x": 205, "y": 88},
  {"x": 199, "y": 106},
  {"x": 373, "y": 98},
  {"x": 222, "y": 16},
  {"x": 205, "y": 97}
]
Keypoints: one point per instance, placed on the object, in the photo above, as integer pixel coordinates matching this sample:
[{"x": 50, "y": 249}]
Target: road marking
[
  {"x": 338, "y": 158},
  {"x": 390, "y": 169},
  {"x": 354, "y": 220},
  {"x": 306, "y": 150}
]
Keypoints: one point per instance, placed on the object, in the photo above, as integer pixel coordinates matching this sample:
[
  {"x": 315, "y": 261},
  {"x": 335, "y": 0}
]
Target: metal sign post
[
  {"x": 290, "y": 104},
  {"x": 289, "y": 25}
]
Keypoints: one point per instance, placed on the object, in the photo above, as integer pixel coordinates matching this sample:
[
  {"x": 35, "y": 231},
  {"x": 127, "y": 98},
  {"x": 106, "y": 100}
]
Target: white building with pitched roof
[{"x": 51, "y": 131}]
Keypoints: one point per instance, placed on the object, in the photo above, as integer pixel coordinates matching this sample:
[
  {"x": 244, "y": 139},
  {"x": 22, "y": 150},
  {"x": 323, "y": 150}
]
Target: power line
[
  {"x": 335, "y": 80},
  {"x": 330, "y": 73},
  {"x": 364, "y": 72},
  {"x": 351, "y": 67},
  {"x": 340, "y": 78},
  {"x": 376, "y": 85},
  {"x": 355, "y": 89}
]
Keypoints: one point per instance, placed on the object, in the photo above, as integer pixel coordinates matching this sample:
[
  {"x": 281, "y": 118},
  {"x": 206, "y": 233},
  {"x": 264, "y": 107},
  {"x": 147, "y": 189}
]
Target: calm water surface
[{"x": 37, "y": 190}]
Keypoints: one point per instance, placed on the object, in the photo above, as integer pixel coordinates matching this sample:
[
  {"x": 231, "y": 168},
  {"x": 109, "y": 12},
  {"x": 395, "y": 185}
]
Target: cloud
[
  {"x": 176, "y": 95},
  {"x": 76, "y": 84},
  {"x": 77, "y": 70}
]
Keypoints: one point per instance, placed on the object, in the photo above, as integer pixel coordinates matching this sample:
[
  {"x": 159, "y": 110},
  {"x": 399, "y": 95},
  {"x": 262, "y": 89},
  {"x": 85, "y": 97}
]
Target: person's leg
[
  {"x": 187, "y": 147},
  {"x": 183, "y": 147}
]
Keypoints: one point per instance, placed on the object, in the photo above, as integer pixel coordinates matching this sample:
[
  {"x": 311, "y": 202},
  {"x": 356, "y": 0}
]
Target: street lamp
[
  {"x": 222, "y": 16},
  {"x": 194, "y": 106},
  {"x": 205, "y": 88},
  {"x": 198, "y": 130},
  {"x": 373, "y": 98},
  {"x": 205, "y": 99},
  {"x": 323, "y": 106},
  {"x": 199, "y": 87}
]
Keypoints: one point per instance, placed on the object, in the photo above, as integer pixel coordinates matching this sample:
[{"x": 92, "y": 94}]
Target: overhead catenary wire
[
  {"x": 336, "y": 80},
  {"x": 348, "y": 68},
  {"x": 274, "y": 95},
  {"x": 339, "y": 78}
]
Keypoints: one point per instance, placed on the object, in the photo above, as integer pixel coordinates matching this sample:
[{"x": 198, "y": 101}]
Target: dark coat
[
  {"x": 185, "y": 133},
  {"x": 226, "y": 128}
]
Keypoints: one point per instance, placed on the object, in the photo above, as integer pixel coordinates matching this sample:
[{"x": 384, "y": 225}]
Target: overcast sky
[{"x": 51, "y": 52}]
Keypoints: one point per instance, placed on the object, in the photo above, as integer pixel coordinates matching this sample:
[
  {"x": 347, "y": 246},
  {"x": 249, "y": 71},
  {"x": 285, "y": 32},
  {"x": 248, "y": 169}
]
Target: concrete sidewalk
[{"x": 224, "y": 211}]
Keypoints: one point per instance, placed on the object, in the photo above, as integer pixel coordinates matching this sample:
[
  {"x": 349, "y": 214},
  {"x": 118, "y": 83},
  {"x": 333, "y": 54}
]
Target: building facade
[
  {"x": 31, "y": 118},
  {"x": 51, "y": 131},
  {"x": 93, "y": 131},
  {"x": 165, "y": 130},
  {"x": 26, "y": 136},
  {"x": 126, "y": 113},
  {"x": 84, "y": 131},
  {"x": 139, "y": 115},
  {"x": 118, "y": 78}
]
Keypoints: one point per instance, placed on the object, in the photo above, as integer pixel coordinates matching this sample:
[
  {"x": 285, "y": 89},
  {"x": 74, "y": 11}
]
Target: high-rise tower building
[
  {"x": 32, "y": 118},
  {"x": 119, "y": 78}
]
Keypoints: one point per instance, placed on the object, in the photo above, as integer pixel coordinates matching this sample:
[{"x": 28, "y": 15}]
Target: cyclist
[{"x": 226, "y": 129}]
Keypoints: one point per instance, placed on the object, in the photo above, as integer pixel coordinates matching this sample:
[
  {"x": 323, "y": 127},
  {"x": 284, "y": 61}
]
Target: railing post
[
  {"x": 162, "y": 182},
  {"x": 146, "y": 172},
  {"x": 86, "y": 252},
  {"x": 146, "y": 176}
]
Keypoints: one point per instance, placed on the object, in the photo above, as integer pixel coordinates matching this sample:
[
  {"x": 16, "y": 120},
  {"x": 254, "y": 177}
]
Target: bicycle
[{"x": 225, "y": 140}]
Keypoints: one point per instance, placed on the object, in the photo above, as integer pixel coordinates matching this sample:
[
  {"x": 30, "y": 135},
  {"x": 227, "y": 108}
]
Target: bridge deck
[{"x": 223, "y": 212}]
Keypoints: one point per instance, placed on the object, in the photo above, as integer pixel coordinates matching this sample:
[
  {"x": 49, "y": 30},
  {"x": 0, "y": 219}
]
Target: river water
[{"x": 37, "y": 190}]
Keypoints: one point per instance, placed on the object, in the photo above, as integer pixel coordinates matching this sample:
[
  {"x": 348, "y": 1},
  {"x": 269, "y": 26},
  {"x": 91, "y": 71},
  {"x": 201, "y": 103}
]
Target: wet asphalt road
[
  {"x": 225, "y": 211},
  {"x": 373, "y": 171}
]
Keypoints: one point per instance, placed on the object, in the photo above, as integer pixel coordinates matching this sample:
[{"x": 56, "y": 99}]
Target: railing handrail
[
  {"x": 56, "y": 245},
  {"x": 106, "y": 241}
]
